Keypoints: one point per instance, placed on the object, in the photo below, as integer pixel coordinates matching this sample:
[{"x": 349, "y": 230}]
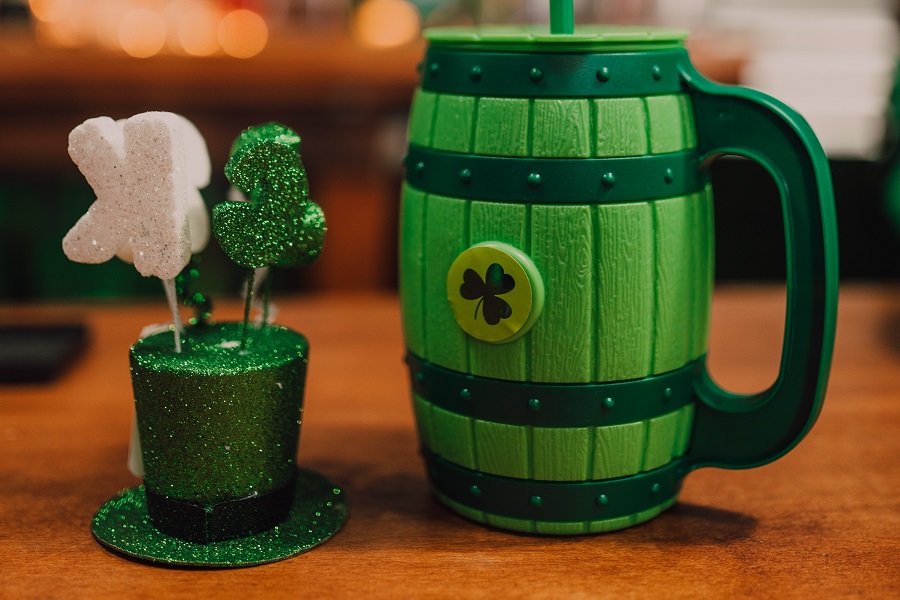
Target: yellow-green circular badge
[{"x": 495, "y": 292}]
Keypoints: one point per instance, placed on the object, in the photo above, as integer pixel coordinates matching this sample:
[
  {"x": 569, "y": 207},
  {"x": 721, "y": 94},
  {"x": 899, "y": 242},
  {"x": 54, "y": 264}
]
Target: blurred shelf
[{"x": 47, "y": 92}]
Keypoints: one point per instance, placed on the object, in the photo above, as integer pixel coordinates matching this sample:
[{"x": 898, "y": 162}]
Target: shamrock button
[{"x": 495, "y": 292}]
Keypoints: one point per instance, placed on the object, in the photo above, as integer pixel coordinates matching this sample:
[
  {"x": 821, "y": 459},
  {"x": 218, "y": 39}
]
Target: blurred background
[{"x": 342, "y": 73}]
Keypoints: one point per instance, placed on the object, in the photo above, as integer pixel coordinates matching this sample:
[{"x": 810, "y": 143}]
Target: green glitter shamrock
[{"x": 279, "y": 225}]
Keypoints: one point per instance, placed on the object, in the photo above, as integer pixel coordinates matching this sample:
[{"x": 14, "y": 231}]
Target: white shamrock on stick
[{"x": 146, "y": 172}]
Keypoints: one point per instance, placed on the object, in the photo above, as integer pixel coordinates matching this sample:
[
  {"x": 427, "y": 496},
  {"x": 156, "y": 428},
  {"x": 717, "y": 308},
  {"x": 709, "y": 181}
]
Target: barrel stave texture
[
  {"x": 627, "y": 287},
  {"x": 553, "y": 453}
]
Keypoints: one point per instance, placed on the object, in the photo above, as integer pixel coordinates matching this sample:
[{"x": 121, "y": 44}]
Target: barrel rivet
[
  {"x": 670, "y": 175},
  {"x": 536, "y": 501},
  {"x": 608, "y": 404},
  {"x": 433, "y": 68},
  {"x": 420, "y": 167},
  {"x": 534, "y": 179},
  {"x": 420, "y": 377},
  {"x": 475, "y": 73},
  {"x": 534, "y": 404},
  {"x": 608, "y": 179},
  {"x": 535, "y": 74},
  {"x": 654, "y": 489},
  {"x": 603, "y": 74},
  {"x": 668, "y": 393},
  {"x": 475, "y": 490},
  {"x": 465, "y": 175},
  {"x": 601, "y": 500},
  {"x": 657, "y": 72},
  {"x": 465, "y": 394}
]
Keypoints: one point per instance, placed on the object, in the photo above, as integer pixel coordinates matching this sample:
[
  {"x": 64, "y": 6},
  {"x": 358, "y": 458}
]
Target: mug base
[
  {"x": 318, "y": 512},
  {"x": 554, "y": 528}
]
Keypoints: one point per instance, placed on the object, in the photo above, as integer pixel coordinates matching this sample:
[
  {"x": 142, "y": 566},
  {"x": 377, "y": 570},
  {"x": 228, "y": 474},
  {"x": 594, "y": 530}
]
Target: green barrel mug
[{"x": 556, "y": 273}]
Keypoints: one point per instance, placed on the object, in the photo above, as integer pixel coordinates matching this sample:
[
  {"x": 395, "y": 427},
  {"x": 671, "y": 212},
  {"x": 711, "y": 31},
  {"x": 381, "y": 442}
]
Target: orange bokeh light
[
  {"x": 50, "y": 11},
  {"x": 142, "y": 33},
  {"x": 243, "y": 33},
  {"x": 197, "y": 28},
  {"x": 385, "y": 23}
]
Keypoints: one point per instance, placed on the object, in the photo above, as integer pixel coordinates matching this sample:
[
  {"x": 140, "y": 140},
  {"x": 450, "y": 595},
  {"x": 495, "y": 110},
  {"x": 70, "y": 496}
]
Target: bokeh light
[
  {"x": 142, "y": 32},
  {"x": 50, "y": 11},
  {"x": 385, "y": 23},
  {"x": 197, "y": 27},
  {"x": 243, "y": 33},
  {"x": 61, "y": 23},
  {"x": 107, "y": 21}
]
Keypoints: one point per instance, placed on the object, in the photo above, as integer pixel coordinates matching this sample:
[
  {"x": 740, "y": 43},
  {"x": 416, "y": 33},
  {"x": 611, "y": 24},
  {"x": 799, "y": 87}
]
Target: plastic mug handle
[{"x": 742, "y": 431}]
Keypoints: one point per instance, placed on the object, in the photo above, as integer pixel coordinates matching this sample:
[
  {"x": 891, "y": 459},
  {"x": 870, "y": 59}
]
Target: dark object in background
[
  {"x": 750, "y": 235},
  {"x": 39, "y": 353}
]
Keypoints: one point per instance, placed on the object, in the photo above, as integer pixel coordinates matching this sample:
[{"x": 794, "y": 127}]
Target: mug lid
[{"x": 593, "y": 38}]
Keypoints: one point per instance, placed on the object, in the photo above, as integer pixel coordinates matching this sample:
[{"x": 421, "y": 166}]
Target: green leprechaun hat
[
  {"x": 218, "y": 406},
  {"x": 219, "y": 432}
]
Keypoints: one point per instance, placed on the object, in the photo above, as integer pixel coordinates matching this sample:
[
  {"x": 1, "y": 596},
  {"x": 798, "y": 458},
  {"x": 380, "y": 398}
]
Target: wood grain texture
[
  {"x": 666, "y": 120},
  {"x": 620, "y": 127},
  {"x": 619, "y": 450},
  {"x": 453, "y": 437},
  {"x": 687, "y": 121},
  {"x": 683, "y": 433},
  {"x": 412, "y": 267},
  {"x": 421, "y": 118},
  {"x": 661, "y": 435},
  {"x": 562, "y": 454},
  {"x": 507, "y": 223},
  {"x": 625, "y": 270},
  {"x": 502, "y": 127},
  {"x": 502, "y": 449},
  {"x": 674, "y": 283},
  {"x": 554, "y": 528},
  {"x": 562, "y": 129},
  {"x": 561, "y": 528},
  {"x": 799, "y": 528},
  {"x": 703, "y": 264},
  {"x": 554, "y": 453},
  {"x": 445, "y": 237},
  {"x": 562, "y": 248},
  {"x": 453, "y": 122},
  {"x": 424, "y": 422}
]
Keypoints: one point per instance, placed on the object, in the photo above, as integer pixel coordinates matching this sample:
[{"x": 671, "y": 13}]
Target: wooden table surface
[{"x": 822, "y": 522}]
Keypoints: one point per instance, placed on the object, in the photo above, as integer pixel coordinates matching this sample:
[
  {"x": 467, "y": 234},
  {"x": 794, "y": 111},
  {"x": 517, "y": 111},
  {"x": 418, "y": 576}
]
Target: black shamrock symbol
[{"x": 495, "y": 283}]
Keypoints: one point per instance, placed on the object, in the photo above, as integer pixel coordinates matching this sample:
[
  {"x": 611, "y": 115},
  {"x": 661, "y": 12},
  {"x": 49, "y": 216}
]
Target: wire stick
[
  {"x": 250, "y": 278},
  {"x": 172, "y": 297},
  {"x": 267, "y": 287}
]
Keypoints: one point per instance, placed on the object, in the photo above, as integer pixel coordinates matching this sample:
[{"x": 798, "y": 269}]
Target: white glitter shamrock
[{"x": 145, "y": 171}]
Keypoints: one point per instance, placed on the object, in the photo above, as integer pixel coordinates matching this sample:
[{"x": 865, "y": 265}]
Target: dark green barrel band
[
  {"x": 555, "y": 180},
  {"x": 553, "y": 405},
  {"x": 222, "y": 521},
  {"x": 552, "y": 75},
  {"x": 552, "y": 501}
]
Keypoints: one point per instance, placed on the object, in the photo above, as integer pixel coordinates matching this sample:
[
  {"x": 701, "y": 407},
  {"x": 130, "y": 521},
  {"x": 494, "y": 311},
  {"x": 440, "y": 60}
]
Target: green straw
[{"x": 562, "y": 17}]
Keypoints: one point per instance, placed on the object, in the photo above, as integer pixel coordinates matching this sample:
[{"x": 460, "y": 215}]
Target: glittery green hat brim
[{"x": 318, "y": 511}]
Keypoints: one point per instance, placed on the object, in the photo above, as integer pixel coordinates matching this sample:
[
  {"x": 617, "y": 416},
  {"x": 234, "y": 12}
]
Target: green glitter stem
[{"x": 249, "y": 297}]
